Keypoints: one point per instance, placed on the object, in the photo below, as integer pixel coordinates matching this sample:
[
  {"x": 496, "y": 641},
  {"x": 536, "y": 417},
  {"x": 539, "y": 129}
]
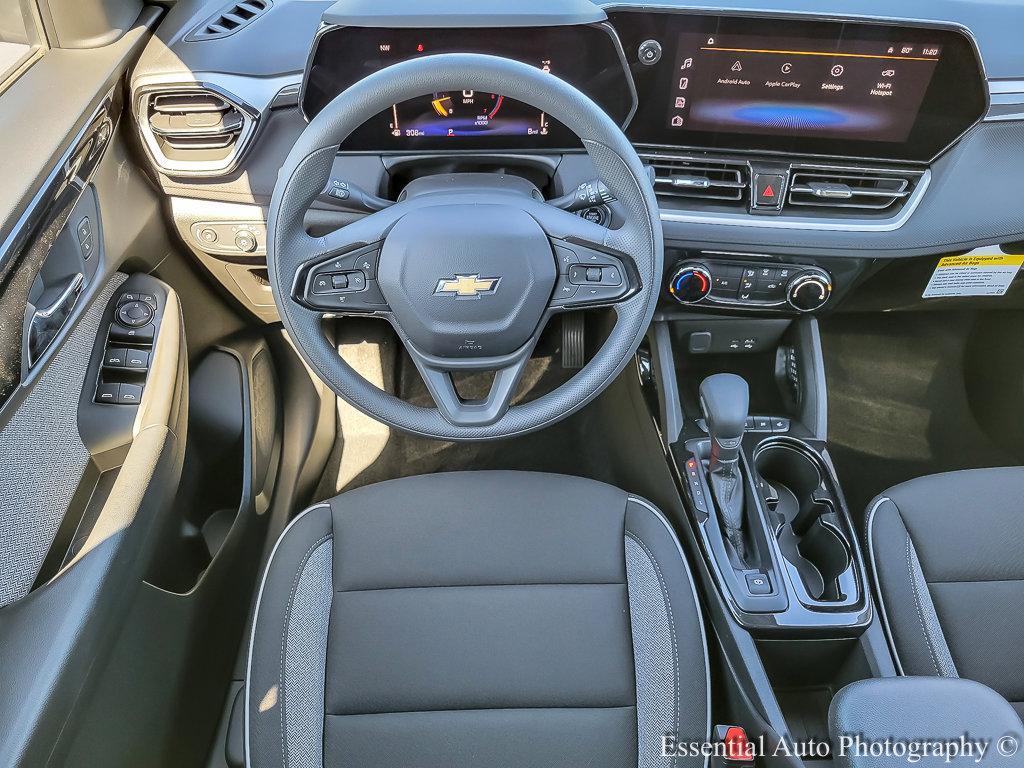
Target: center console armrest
[{"x": 939, "y": 715}]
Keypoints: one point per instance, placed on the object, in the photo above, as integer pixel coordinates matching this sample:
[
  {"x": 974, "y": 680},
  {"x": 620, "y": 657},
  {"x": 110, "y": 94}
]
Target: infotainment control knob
[
  {"x": 809, "y": 290},
  {"x": 690, "y": 283},
  {"x": 649, "y": 52}
]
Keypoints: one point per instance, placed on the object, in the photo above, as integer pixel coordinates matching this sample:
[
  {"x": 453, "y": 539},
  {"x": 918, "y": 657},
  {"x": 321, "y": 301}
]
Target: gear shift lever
[{"x": 725, "y": 399}]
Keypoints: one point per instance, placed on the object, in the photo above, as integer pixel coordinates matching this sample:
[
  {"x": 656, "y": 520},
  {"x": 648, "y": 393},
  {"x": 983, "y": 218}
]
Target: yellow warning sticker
[{"x": 974, "y": 274}]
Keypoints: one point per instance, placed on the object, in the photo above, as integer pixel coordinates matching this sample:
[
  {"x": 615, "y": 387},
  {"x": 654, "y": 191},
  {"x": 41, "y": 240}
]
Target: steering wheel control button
[
  {"x": 123, "y": 334},
  {"x": 135, "y": 314},
  {"x": 649, "y": 52},
  {"x": 769, "y": 190},
  {"x": 322, "y": 283},
  {"x": 361, "y": 295},
  {"x": 106, "y": 393},
  {"x": 565, "y": 291},
  {"x": 364, "y": 260}
]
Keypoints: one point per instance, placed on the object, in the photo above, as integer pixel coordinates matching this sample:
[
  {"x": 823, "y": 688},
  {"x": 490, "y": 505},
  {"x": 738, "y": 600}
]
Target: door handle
[{"x": 47, "y": 322}]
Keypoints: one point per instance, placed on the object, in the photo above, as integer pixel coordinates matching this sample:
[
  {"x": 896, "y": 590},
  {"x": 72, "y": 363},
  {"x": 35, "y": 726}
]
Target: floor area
[
  {"x": 910, "y": 394},
  {"x": 368, "y": 452}
]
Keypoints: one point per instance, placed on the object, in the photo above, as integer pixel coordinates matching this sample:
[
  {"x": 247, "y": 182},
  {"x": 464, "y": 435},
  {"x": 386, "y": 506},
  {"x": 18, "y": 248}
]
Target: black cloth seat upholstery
[
  {"x": 948, "y": 556},
  {"x": 476, "y": 619}
]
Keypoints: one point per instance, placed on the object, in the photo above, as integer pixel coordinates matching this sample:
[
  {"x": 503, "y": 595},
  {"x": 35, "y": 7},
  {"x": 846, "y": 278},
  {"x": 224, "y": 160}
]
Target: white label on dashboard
[{"x": 973, "y": 275}]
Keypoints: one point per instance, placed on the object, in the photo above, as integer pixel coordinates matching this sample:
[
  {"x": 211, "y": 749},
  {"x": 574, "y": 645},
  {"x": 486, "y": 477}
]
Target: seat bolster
[
  {"x": 305, "y": 541},
  {"x": 669, "y": 645},
  {"x": 906, "y": 602}
]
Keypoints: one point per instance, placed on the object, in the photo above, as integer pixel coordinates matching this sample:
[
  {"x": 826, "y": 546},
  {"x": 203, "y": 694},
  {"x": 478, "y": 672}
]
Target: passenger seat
[{"x": 947, "y": 553}]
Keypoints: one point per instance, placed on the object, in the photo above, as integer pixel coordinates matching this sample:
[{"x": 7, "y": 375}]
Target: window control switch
[
  {"x": 137, "y": 359},
  {"x": 106, "y": 393},
  {"x": 129, "y": 394},
  {"x": 115, "y": 357},
  {"x": 125, "y": 335}
]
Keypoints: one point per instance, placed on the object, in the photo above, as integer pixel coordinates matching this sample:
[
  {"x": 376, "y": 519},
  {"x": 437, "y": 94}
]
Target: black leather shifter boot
[{"x": 725, "y": 399}]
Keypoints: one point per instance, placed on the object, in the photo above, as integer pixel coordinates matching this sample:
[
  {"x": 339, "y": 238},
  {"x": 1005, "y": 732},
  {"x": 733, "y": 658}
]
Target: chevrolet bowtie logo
[{"x": 468, "y": 286}]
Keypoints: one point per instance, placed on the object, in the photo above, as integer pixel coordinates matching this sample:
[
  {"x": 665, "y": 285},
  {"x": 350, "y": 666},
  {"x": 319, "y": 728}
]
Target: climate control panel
[{"x": 750, "y": 285}]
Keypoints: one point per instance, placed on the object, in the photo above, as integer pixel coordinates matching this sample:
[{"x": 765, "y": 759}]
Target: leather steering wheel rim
[{"x": 306, "y": 172}]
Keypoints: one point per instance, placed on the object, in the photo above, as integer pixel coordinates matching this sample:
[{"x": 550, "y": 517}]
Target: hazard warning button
[{"x": 768, "y": 190}]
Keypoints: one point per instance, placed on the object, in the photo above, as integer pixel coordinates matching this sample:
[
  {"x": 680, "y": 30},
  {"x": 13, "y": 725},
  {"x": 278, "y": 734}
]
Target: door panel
[{"x": 86, "y": 485}]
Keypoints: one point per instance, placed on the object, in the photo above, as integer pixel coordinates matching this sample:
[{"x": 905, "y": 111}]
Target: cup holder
[{"x": 790, "y": 482}]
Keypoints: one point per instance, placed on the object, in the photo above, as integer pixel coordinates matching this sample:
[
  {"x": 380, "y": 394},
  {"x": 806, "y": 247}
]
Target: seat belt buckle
[{"x": 732, "y": 748}]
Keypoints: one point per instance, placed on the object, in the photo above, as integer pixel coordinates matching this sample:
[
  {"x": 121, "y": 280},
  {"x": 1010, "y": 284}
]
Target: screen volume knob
[
  {"x": 649, "y": 52},
  {"x": 809, "y": 290},
  {"x": 690, "y": 283}
]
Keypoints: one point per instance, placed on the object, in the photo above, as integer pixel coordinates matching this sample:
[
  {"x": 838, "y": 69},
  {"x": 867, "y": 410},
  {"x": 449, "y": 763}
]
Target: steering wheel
[{"x": 467, "y": 268}]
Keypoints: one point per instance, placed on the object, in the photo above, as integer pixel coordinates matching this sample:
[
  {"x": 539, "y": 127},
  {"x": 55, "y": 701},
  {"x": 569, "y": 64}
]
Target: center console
[
  {"x": 796, "y": 563},
  {"x": 778, "y": 554}
]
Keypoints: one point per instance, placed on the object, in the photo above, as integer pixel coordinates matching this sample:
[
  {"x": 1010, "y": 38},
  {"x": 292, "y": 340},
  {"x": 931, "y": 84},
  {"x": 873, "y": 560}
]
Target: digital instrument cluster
[{"x": 589, "y": 56}]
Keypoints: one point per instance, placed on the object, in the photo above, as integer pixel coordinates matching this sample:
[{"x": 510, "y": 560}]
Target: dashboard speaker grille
[
  {"x": 712, "y": 180},
  {"x": 228, "y": 20},
  {"x": 193, "y": 130},
  {"x": 872, "y": 190}
]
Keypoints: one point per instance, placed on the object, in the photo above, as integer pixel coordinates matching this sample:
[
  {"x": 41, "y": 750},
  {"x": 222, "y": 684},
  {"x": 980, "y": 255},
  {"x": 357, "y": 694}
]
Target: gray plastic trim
[
  {"x": 877, "y": 585},
  {"x": 458, "y": 13},
  {"x": 663, "y": 359},
  {"x": 1006, "y": 100}
]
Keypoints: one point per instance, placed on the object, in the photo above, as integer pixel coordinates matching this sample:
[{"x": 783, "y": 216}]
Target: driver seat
[{"x": 476, "y": 619}]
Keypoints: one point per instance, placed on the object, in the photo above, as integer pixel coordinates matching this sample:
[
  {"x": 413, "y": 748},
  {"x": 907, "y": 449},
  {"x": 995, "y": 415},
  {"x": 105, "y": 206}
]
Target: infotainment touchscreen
[
  {"x": 848, "y": 88},
  {"x": 801, "y": 85}
]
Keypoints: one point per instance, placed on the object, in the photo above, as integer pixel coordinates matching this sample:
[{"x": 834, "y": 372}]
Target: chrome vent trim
[
  {"x": 717, "y": 181},
  {"x": 194, "y": 129},
  {"x": 845, "y": 189},
  {"x": 229, "y": 20}
]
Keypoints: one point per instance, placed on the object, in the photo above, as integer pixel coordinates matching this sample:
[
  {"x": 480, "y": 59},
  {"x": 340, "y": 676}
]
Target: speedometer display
[
  {"x": 466, "y": 113},
  {"x": 588, "y": 56}
]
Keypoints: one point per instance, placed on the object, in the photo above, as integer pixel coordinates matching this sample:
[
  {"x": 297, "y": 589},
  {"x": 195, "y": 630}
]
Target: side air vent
[
  {"x": 717, "y": 181},
  {"x": 229, "y": 20},
  {"x": 843, "y": 189},
  {"x": 194, "y": 130}
]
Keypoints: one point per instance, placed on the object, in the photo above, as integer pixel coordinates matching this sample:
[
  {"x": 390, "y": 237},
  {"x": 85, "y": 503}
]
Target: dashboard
[
  {"x": 712, "y": 81},
  {"x": 807, "y": 140}
]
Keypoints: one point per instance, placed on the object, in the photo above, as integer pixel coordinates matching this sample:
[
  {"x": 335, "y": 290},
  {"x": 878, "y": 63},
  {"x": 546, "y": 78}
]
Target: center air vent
[
  {"x": 194, "y": 131},
  {"x": 229, "y": 20},
  {"x": 716, "y": 181},
  {"x": 867, "y": 190}
]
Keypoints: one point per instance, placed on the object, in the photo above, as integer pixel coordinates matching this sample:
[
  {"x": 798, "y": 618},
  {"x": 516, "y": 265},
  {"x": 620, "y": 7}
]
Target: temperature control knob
[
  {"x": 809, "y": 290},
  {"x": 690, "y": 283}
]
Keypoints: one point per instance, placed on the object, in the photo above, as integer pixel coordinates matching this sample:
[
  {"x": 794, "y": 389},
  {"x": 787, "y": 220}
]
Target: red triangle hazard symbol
[{"x": 768, "y": 191}]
